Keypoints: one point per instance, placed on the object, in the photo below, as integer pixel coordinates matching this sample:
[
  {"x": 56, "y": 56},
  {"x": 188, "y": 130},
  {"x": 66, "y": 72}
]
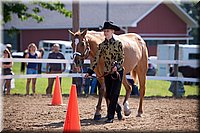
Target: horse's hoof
[
  {"x": 139, "y": 115},
  {"x": 97, "y": 117},
  {"x": 127, "y": 111}
]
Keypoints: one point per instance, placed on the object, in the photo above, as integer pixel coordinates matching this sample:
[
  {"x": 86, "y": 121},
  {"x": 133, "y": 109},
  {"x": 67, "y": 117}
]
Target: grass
[
  {"x": 154, "y": 87},
  {"x": 41, "y": 84}
]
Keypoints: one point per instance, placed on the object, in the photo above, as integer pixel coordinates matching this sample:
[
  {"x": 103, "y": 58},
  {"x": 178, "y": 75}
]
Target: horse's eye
[{"x": 82, "y": 43}]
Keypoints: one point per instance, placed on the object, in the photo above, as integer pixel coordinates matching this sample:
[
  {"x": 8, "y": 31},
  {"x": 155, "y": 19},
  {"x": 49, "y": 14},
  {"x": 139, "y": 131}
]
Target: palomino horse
[{"x": 86, "y": 43}]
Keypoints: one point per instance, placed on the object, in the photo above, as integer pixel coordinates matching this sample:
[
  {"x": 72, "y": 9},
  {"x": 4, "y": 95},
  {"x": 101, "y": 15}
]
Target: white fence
[{"x": 81, "y": 74}]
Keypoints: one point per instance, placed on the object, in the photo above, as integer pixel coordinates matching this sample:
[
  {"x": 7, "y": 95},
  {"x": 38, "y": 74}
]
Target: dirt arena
[{"x": 32, "y": 113}]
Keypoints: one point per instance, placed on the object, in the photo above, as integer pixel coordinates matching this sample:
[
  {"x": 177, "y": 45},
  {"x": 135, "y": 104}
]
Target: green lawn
[
  {"x": 154, "y": 87},
  {"x": 20, "y": 84}
]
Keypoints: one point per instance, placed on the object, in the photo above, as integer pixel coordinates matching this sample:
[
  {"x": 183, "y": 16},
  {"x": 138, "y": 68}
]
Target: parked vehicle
[
  {"x": 65, "y": 48},
  {"x": 17, "y": 54},
  {"x": 186, "y": 53}
]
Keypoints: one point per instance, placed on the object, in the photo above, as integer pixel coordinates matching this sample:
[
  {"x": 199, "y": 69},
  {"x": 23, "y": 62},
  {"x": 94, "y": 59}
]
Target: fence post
[
  {"x": 75, "y": 15},
  {"x": 176, "y": 57}
]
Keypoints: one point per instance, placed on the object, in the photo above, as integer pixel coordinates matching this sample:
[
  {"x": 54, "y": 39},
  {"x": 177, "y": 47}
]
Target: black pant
[
  {"x": 113, "y": 87},
  {"x": 51, "y": 82},
  {"x": 78, "y": 82}
]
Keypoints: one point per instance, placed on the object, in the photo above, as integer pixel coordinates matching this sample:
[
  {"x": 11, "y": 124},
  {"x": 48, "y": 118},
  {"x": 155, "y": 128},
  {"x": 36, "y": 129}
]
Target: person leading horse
[
  {"x": 113, "y": 54},
  {"x": 86, "y": 43}
]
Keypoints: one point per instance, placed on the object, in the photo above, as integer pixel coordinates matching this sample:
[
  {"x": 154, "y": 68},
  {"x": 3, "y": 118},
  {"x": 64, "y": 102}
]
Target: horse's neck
[
  {"x": 94, "y": 39},
  {"x": 93, "y": 48}
]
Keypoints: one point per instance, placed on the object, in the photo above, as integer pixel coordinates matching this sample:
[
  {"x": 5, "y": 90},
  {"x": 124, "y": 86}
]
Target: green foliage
[
  {"x": 55, "y": 6},
  {"x": 193, "y": 9},
  {"x": 21, "y": 10},
  {"x": 23, "y": 13}
]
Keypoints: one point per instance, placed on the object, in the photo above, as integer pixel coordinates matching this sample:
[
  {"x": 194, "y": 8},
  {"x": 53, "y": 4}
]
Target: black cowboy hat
[{"x": 110, "y": 25}]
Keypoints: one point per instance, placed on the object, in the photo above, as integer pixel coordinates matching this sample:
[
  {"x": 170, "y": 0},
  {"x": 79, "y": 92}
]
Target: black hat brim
[{"x": 108, "y": 25}]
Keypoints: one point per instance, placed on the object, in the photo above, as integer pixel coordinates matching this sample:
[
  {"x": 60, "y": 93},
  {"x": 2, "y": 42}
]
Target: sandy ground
[{"x": 32, "y": 113}]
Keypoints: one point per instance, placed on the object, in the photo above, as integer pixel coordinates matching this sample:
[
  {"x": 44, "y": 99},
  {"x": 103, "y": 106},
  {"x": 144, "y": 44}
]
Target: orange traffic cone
[
  {"x": 57, "y": 96},
  {"x": 72, "y": 120}
]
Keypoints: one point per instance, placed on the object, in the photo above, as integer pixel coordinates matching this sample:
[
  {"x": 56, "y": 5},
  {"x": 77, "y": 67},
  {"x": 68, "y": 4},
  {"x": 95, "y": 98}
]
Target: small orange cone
[
  {"x": 57, "y": 96},
  {"x": 72, "y": 120}
]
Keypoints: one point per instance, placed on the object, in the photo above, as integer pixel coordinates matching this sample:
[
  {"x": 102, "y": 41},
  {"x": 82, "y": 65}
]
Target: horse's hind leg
[
  {"x": 128, "y": 88},
  {"x": 141, "y": 71}
]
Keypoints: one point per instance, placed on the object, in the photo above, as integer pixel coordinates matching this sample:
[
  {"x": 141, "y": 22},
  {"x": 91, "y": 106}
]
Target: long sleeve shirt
[{"x": 111, "y": 51}]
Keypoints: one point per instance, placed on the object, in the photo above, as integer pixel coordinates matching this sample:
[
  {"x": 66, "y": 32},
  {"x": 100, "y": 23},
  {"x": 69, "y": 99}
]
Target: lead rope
[
  {"x": 118, "y": 76},
  {"x": 117, "y": 73}
]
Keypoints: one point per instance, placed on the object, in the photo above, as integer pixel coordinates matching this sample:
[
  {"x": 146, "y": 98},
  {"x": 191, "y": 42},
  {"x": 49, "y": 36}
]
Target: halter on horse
[{"x": 80, "y": 56}]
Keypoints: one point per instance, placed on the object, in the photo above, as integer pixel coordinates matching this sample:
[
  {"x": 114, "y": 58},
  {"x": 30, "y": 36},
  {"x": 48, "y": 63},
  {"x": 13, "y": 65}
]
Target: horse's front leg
[
  {"x": 128, "y": 88},
  {"x": 101, "y": 90}
]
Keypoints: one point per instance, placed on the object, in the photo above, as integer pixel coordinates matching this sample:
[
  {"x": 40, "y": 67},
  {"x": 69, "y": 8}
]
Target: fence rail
[
  {"x": 180, "y": 62},
  {"x": 192, "y": 62},
  {"x": 82, "y": 74}
]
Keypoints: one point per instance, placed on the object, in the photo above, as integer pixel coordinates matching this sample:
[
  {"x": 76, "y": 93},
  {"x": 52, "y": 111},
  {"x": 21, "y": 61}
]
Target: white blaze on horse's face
[
  {"x": 76, "y": 54},
  {"x": 76, "y": 41}
]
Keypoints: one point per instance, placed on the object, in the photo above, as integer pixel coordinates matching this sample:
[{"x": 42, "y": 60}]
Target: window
[
  {"x": 45, "y": 45},
  {"x": 68, "y": 51},
  {"x": 193, "y": 56}
]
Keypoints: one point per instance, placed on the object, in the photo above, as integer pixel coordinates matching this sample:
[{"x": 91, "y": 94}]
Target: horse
[{"x": 85, "y": 44}]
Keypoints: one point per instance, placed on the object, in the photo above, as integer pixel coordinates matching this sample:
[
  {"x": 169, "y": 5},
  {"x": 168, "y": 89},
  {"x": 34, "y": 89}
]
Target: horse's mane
[
  {"x": 95, "y": 33},
  {"x": 123, "y": 37}
]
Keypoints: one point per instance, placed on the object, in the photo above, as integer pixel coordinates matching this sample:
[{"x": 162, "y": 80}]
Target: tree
[
  {"x": 21, "y": 10},
  {"x": 193, "y": 9},
  {"x": 24, "y": 12}
]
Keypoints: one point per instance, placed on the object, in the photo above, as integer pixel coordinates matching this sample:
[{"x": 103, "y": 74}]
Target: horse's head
[{"x": 80, "y": 47}]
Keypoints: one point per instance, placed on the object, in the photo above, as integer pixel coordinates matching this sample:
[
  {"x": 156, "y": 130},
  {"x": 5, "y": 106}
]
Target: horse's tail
[
  {"x": 144, "y": 58},
  {"x": 145, "y": 55},
  {"x": 144, "y": 50}
]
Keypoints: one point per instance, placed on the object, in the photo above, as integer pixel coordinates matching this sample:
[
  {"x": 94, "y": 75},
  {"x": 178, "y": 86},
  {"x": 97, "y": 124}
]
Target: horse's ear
[
  {"x": 72, "y": 33},
  {"x": 83, "y": 33}
]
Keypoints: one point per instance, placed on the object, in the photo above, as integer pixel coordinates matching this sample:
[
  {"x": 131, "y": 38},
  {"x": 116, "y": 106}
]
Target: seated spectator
[
  {"x": 86, "y": 82},
  {"x": 180, "y": 87},
  {"x": 94, "y": 84},
  {"x": 134, "y": 87},
  {"x": 77, "y": 80}
]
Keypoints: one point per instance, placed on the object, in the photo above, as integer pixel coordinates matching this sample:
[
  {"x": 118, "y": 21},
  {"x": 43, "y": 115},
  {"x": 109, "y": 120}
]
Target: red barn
[{"x": 158, "y": 22}]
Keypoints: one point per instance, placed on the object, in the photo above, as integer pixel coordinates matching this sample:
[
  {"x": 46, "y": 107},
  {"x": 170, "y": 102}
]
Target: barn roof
[{"x": 94, "y": 14}]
